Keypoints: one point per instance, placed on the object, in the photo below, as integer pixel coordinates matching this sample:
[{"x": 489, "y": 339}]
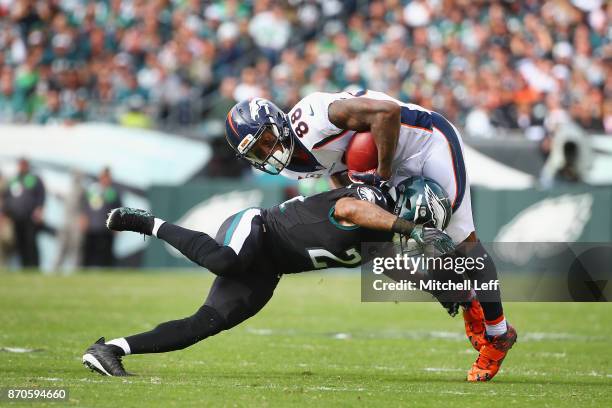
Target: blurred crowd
[{"x": 528, "y": 65}]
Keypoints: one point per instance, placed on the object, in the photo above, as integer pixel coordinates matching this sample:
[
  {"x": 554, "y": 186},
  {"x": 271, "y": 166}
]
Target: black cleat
[
  {"x": 130, "y": 219},
  {"x": 104, "y": 359}
]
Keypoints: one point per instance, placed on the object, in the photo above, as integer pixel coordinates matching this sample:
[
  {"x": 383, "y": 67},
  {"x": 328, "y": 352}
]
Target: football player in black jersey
[{"x": 255, "y": 247}]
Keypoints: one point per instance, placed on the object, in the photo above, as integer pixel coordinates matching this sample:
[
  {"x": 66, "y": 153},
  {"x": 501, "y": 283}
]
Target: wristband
[{"x": 402, "y": 226}]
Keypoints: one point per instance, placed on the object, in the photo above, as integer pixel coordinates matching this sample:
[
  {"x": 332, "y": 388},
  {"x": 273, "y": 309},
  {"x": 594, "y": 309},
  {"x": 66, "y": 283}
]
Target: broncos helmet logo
[{"x": 255, "y": 104}]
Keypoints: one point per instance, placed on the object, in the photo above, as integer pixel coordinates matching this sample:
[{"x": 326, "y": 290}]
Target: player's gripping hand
[
  {"x": 432, "y": 241},
  {"x": 370, "y": 177}
]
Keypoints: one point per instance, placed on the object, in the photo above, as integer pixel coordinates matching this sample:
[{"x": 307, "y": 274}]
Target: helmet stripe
[{"x": 231, "y": 122}]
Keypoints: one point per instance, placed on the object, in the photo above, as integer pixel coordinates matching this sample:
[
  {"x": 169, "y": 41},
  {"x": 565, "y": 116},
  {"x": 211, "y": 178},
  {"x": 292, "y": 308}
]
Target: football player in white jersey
[{"x": 311, "y": 141}]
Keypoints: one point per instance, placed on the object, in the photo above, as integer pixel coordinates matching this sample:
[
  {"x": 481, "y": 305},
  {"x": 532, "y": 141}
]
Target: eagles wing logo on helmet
[
  {"x": 366, "y": 194},
  {"x": 436, "y": 208},
  {"x": 420, "y": 213}
]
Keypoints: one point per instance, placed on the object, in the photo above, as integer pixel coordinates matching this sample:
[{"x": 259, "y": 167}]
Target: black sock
[{"x": 489, "y": 299}]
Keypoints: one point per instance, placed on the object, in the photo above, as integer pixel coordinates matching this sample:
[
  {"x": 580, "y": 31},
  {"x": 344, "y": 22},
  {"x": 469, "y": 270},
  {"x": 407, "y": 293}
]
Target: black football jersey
[{"x": 302, "y": 233}]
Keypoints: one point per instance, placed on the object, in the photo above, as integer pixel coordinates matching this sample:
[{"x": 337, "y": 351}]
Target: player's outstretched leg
[
  {"x": 231, "y": 300},
  {"x": 105, "y": 358},
  {"x": 238, "y": 241}
]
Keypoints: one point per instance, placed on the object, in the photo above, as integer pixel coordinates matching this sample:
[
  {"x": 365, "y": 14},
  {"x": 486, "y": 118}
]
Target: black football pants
[{"x": 242, "y": 287}]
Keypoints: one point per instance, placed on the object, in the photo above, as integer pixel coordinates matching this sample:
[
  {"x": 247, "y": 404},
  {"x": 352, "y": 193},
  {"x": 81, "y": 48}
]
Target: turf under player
[
  {"x": 255, "y": 247},
  {"x": 311, "y": 140}
]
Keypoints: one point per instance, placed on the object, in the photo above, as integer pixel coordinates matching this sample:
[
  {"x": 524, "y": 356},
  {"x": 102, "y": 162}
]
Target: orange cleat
[
  {"x": 474, "y": 320},
  {"x": 491, "y": 356}
]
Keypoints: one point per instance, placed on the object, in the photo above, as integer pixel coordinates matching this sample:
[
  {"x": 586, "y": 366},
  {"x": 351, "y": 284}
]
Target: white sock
[
  {"x": 496, "y": 329},
  {"x": 156, "y": 224},
  {"x": 121, "y": 342}
]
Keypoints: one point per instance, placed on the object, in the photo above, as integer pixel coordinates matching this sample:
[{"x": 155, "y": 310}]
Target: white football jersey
[
  {"x": 428, "y": 145},
  {"x": 310, "y": 123}
]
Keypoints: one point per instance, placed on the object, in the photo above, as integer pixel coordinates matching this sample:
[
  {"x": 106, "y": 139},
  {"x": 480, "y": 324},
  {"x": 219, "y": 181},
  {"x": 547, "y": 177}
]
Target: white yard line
[
  {"x": 442, "y": 369},
  {"x": 419, "y": 335},
  {"x": 19, "y": 350}
]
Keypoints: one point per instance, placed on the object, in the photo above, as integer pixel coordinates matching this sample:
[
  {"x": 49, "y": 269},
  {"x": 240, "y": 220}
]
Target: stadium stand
[{"x": 524, "y": 65}]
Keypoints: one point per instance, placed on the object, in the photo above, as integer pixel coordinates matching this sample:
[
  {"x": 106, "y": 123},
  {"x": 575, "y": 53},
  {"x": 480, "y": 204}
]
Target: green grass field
[{"x": 315, "y": 343}]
